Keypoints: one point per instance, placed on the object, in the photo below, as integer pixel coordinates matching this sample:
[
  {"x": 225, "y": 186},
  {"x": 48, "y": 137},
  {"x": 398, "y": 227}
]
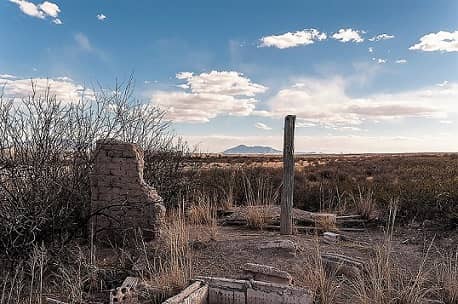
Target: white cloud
[
  {"x": 225, "y": 83},
  {"x": 325, "y": 102},
  {"x": 5, "y": 76},
  {"x": 381, "y": 60},
  {"x": 381, "y": 37},
  {"x": 401, "y": 61},
  {"x": 208, "y": 95},
  {"x": 441, "y": 41},
  {"x": 50, "y": 9},
  {"x": 347, "y": 35},
  {"x": 101, "y": 17},
  {"x": 260, "y": 125},
  {"x": 371, "y": 49},
  {"x": 83, "y": 42},
  {"x": 446, "y": 122},
  {"x": 65, "y": 89},
  {"x": 29, "y": 8},
  {"x": 302, "y": 124},
  {"x": 293, "y": 39},
  {"x": 40, "y": 11}
]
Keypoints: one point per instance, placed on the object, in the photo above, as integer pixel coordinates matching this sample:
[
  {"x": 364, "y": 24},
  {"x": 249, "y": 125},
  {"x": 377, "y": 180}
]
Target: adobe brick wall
[{"x": 120, "y": 199}]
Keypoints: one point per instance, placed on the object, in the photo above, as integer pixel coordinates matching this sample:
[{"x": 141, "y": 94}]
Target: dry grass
[
  {"x": 259, "y": 196},
  {"x": 385, "y": 281},
  {"x": 169, "y": 267},
  {"x": 446, "y": 274},
  {"x": 326, "y": 285},
  {"x": 202, "y": 215},
  {"x": 258, "y": 217},
  {"x": 364, "y": 203},
  {"x": 202, "y": 211},
  {"x": 326, "y": 223}
]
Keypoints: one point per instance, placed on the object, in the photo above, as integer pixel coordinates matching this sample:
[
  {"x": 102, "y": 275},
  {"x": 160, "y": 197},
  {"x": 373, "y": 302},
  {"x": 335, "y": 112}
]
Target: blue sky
[{"x": 361, "y": 76}]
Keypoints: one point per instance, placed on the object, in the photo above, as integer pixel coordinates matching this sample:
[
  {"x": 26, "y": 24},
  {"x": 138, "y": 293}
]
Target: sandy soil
[{"x": 234, "y": 246}]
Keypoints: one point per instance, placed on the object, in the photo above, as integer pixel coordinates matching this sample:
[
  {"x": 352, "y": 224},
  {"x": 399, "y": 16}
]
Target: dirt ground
[{"x": 233, "y": 246}]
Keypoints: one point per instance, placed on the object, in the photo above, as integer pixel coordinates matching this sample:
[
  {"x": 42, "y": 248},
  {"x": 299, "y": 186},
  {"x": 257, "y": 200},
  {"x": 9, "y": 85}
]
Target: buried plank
[
  {"x": 282, "y": 246},
  {"x": 54, "y": 301},
  {"x": 262, "y": 292},
  {"x": 266, "y": 273},
  {"x": 342, "y": 264}
]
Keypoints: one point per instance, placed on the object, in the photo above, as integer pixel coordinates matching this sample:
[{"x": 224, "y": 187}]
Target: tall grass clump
[
  {"x": 202, "y": 215},
  {"x": 260, "y": 196},
  {"x": 324, "y": 283},
  {"x": 384, "y": 280},
  {"x": 364, "y": 203},
  {"x": 167, "y": 265},
  {"x": 446, "y": 274}
]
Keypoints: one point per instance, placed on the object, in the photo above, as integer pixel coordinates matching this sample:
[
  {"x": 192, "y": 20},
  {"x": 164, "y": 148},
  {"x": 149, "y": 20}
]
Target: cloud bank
[
  {"x": 441, "y": 41},
  {"x": 324, "y": 102},
  {"x": 293, "y": 39},
  {"x": 41, "y": 11},
  {"x": 63, "y": 88},
  {"x": 348, "y": 35},
  {"x": 208, "y": 95}
]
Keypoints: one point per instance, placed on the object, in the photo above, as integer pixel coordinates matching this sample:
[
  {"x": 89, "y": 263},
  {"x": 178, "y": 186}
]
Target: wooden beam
[{"x": 286, "y": 215}]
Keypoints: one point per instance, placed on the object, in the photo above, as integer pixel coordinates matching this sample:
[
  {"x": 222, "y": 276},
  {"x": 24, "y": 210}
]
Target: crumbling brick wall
[{"x": 121, "y": 201}]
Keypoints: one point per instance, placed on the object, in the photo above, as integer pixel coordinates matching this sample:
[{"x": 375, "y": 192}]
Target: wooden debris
[
  {"x": 230, "y": 291},
  {"x": 319, "y": 221},
  {"x": 54, "y": 301},
  {"x": 126, "y": 293},
  {"x": 266, "y": 273},
  {"x": 342, "y": 264},
  {"x": 197, "y": 292}
]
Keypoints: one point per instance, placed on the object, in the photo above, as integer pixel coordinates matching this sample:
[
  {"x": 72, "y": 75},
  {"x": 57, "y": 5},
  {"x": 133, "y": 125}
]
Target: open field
[
  {"x": 424, "y": 185},
  {"x": 402, "y": 228}
]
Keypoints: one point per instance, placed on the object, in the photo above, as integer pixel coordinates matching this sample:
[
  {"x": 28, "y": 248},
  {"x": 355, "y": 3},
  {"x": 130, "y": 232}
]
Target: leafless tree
[{"x": 46, "y": 155}]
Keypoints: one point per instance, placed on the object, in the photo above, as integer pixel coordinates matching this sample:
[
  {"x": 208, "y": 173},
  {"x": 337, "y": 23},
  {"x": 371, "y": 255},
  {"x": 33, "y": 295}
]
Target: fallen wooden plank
[
  {"x": 54, "y": 301},
  {"x": 125, "y": 294},
  {"x": 186, "y": 293},
  {"x": 342, "y": 264},
  {"x": 265, "y": 273},
  {"x": 344, "y": 217},
  {"x": 352, "y": 229}
]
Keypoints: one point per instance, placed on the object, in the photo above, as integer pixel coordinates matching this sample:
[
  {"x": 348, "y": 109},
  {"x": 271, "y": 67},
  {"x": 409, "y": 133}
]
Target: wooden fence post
[{"x": 286, "y": 216}]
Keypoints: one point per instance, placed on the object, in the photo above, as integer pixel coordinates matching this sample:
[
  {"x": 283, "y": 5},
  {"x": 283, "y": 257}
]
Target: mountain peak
[{"x": 244, "y": 149}]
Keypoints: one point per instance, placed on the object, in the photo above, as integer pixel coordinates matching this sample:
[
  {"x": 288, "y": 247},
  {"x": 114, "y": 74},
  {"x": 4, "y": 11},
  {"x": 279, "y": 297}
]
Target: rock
[
  {"x": 282, "y": 246},
  {"x": 331, "y": 237},
  {"x": 266, "y": 273}
]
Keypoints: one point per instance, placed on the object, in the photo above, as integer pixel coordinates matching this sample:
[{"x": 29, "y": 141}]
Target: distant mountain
[{"x": 242, "y": 149}]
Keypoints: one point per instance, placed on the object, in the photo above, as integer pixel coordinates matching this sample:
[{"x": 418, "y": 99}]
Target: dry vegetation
[
  {"x": 46, "y": 157},
  {"x": 426, "y": 186}
]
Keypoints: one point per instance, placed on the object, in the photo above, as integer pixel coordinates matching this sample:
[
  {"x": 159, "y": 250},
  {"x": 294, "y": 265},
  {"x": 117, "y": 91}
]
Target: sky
[{"x": 361, "y": 76}]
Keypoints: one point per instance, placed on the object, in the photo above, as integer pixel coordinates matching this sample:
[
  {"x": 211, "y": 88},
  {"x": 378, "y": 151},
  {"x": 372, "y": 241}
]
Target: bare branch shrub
[{"x": 46, "y": 156}]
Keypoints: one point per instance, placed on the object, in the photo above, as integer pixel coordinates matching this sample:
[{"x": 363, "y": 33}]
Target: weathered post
[{"x": 286, "y": 216}]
